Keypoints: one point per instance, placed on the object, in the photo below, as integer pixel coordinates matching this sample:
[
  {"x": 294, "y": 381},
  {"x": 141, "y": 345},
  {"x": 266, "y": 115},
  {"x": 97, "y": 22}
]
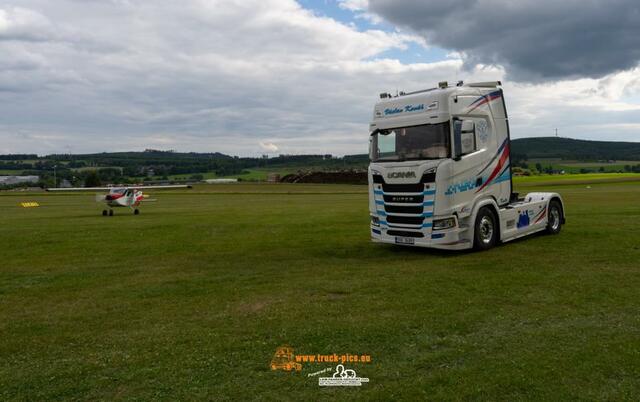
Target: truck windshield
[{"x": 427, "y": 141}]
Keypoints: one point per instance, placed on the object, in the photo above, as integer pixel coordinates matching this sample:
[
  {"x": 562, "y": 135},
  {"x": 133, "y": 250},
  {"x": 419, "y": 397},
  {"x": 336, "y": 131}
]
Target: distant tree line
[
  {"x": 568, "y": 148},
  {"x": 164, "y": 163},
  {"x": 133, "y": 167}
]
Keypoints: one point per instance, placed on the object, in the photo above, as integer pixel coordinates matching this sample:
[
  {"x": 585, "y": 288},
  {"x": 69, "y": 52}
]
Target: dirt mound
[{"x": 339, "y": 177}]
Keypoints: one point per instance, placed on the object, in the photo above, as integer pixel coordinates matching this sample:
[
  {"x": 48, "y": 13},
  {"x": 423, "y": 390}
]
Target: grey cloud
[
  {"x": 21, "y": 24},
  {"x": 534, "y": 40},
  {"x": 222, "y": 76}
]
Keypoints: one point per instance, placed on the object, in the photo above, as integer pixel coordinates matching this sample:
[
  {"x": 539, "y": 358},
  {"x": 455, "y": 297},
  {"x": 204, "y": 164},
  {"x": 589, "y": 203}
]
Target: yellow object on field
[{"x": 29, "y": 204}]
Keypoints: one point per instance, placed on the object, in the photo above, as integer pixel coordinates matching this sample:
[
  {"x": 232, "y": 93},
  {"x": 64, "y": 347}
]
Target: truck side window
[{"x": 464, "y": 137}]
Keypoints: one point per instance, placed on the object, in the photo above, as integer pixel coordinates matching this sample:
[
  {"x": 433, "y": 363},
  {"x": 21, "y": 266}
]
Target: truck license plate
[{"x": 405, "y": 240}]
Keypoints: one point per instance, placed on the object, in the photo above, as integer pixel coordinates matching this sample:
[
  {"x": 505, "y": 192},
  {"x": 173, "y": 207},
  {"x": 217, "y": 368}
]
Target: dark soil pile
[{"x": 340, "y": 177}]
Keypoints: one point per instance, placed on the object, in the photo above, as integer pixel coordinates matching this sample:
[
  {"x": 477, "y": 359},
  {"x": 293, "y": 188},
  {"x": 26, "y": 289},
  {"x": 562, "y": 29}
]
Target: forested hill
[
  {"x": 114, "y": 165},
  {"x": 567, "y": 148}
]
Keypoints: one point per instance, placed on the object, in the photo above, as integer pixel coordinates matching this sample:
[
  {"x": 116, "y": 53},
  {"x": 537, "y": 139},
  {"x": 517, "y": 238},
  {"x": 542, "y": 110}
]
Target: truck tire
[
  {"x": 485, "y": 234},
  {"x": 554, "y": 220}
]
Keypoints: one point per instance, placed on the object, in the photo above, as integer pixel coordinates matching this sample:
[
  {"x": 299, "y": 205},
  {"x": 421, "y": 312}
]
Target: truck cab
[{"x": 440, "y": 171}]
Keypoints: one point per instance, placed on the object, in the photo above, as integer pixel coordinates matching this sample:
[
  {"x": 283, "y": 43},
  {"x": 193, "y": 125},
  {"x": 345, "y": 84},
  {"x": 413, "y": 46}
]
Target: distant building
[{"x": 11, "y": 180}]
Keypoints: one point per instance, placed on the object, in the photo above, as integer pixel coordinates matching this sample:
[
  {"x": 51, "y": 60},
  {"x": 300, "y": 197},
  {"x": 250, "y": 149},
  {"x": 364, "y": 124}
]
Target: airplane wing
[
  {"x": 168, "y": 186},
  {"x": 80, "y": 189}
]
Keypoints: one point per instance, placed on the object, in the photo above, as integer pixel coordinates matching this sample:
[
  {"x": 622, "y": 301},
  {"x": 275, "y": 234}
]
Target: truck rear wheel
[
  {"x": 554, "y": 220},
  {"x": 486, "y": 229}
]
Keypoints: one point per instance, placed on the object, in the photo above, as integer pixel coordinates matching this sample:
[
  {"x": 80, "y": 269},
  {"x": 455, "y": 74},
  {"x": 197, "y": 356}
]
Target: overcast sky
[{"x": 247, "y": 77}]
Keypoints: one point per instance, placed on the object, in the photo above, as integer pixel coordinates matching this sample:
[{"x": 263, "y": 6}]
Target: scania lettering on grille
[{"x": 401, "y": 175}]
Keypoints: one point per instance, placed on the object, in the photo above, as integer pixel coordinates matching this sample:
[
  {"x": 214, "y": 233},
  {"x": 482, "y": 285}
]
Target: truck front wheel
[
  {"x": 554, "y": 221},
  {"x": 486, "y": 229}
]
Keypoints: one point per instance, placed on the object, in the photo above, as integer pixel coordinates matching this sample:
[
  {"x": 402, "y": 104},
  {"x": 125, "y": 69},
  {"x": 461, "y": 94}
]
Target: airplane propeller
[{"x": 100, "y": 197}]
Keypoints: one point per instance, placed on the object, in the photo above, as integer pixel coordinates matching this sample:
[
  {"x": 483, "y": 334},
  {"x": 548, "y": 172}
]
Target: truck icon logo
[
  {"x": 284, "y": 359},
  {"x": 401, "y": 175}
]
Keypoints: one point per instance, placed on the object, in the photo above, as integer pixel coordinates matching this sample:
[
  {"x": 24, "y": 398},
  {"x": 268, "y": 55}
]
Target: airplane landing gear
[
  {"x": 136, "y": 211},
  {"x": 111, "y": 212},
  {"x": 104, "y": 212}
]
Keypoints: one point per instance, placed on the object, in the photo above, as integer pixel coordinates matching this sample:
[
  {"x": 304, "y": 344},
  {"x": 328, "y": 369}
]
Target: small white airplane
[{"x": 130, "y": 197}]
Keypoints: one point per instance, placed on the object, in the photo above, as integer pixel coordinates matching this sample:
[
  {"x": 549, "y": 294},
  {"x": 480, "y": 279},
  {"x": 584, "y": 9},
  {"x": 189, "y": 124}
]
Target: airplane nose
[{"x": 108, "y": 197}]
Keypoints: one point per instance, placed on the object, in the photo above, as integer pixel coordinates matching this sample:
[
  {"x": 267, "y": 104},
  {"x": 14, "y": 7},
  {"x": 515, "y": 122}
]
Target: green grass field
[
  {"x": 190, "y": 299},
  {"x": 585, "y": 178},
  {"x": 7, "y": 172},
  {"x": 574, "y": 166},
  {"x": 249, "y": 175}
]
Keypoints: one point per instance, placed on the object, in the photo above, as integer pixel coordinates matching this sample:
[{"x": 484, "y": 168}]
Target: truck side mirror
[
  {"x": 457, "y": 130},
  {"x": 371, "y": 150},
  {"x": 463, "y": 138},
  {"x": 468, "y": 126}
]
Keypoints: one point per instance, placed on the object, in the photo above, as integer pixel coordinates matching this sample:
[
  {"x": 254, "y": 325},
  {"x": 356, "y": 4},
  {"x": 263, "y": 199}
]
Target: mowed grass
[
  {"x": 586, "y": 178},
  {"x": 574, "y": 166},
  {"x": 260, "y": 174},
  {"x": 190, "y": 299}
]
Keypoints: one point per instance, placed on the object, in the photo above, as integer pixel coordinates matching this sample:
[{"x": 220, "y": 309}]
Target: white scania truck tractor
[{"x": 440, "y": 172}]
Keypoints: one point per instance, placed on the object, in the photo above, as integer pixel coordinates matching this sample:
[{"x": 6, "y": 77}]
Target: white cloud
[
  {"x": 235, "y": 77},
  {"x": 360, "y": 8},
  {"x": 269, "y": 147}
]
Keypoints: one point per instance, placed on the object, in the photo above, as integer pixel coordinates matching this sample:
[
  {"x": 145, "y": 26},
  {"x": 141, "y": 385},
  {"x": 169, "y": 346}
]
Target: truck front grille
[
  {"x": 406, "y": 220},
  {"x": 402, "y": 209},
  {"x": 403, "y": 188}
]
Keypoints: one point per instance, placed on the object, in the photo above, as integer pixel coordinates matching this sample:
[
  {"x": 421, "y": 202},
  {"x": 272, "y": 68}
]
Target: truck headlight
[
  {"x": 375, "y": 221},
  {"x": 446, "y": 223}
]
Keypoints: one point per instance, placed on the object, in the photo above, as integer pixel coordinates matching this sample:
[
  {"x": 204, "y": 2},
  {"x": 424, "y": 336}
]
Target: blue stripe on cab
[{"x": 425, "y": 192}]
